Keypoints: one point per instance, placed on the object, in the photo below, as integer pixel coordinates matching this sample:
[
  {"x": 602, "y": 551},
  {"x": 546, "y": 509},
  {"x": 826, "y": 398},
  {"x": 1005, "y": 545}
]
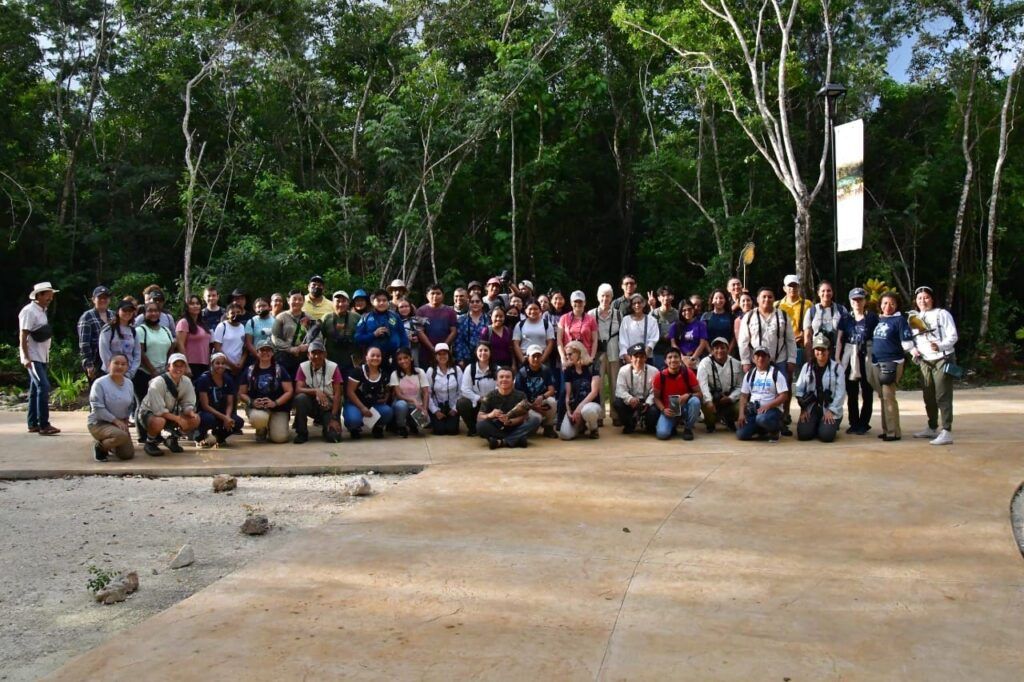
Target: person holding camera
[
  {"x": 634, "y": 393},
  {"x": 720, "y": 377},
  {"x": 318, "y": 386},
  {"x": 445, "y": 379},
  {"x": 677, "y": 396},
  {"x": 820, "y": 391},
  {"x": 170, "y": 402},
  {"x": 504, "y": 417},
  {"x": 764, "y": 393},
  {"x": 34, "y": 336},
  {"x": 537, "y": 383},
  {"x": 933, "y": 352}
]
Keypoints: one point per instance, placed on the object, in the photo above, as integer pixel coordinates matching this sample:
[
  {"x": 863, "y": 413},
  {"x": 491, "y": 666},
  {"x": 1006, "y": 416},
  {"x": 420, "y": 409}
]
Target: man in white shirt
[
  {"x": 634, "y": 393},
  {"x": 720, "y": 377},
  {"x": 764, "y": 392},
  {"x": 768, "y": 328},
  {"x": 34, "y": 335}
]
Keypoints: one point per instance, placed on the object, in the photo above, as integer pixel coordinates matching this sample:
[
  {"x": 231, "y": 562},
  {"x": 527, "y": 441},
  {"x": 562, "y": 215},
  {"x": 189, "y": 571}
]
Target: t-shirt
[
  {"x": 231, "y": 337},
  {"x": 764, "y": 386},
  {"x": 796, "y": 311},
  {"x": 667, "y": 384},
  {"x": 267, "y": 382},
  {"x": 575, "y": 329},
  {"x": 197, "y": 344},
  {"x": 858, "y": 331},
  {"x": 579, "y": 381},
  {"x": 439, "y": 321},
  {"x": 211, "y": 318},
  {"x": 166, "y": 320},
  {"x": 501, "y": 345},
  {"x": 688, "y": 335},
  {"x": 317, "y": 310},
  {"x": 31, "y": 318},
  {"x": 826, "y": 321},
  {"x": 370, "y": 392},
  {"x": 665, "y": 318},
  {"x": 496, "y": 401},
  {"x": 259, "y": 328},
  {"x": 157, "y": 344},
  {"x": 529, "y": 333},
  {"x": 534, "y": 383},
  {"x": 409, "y": 387},
  {"x": 719, "y": 324},
  {"x": 217, "y": 395}
]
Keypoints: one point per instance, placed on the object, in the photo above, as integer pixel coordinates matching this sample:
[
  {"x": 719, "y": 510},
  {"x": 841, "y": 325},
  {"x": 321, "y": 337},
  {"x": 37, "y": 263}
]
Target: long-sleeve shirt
[
  {"x": 468, "y": 336},
  {"x": 632, "y": 331},
  {"x": 445, "y": 387},
  {"x": 388, "y": 343},
  {"x": 892, "y": 339},
  {"x": 120, "y": 340},
  {"x": 90, "y": 324},
  {"x": 772, "y": 332},
  {"x": 725, "y": 379},
  {"x": 477, "y": 382},
  {"x": 288, "y": 330},
  {"x": 108, "y": 401},
  {"x": 832, "y": 381},
  {"x": 632, "y": 384},
  {"x": 943, "y": 333},
  {"x": 159, "y": 400}
]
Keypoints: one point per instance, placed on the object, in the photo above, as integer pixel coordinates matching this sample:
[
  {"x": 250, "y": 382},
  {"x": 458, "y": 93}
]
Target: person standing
[
  {"x": 735, "y": 287},
  {"x": 471, "y": 326},
  {"x": 194, "y": 338},
  {"x": 891, "y": 341},
  {"x": 154, "y": 294},
  {"x": 689, "y": 335},
  {"x": 229, "y": 339},
  {"x": 290, "y": 334},
  {"x": 824, "y": 317},
  {"x": 241, "y": 297},
  {"x": 338, "y": 332},
  {"x": 719, "y": 320},
  {"x": 90, "y": 325},
  {"x": 445, "y": 380},
  {"x": 314, "y": 304},
  {"x": 441, "y": 326},
  {"x": 260, "y": 327},
  {"x": 638, "y": 327},
  {"x": 795, "y": 306},
  {"x": 399, "y": 292},
  {"x": 384, "y": 329},
  {"x": 34, "y": 337},
  {"x": 212, "y": 313},
  {"x": 666, "y": 316},
  {"x": 607, "y": 318},
  {"x": 624, "y": 303},
  {"x": 855, "y": 336},
  {"x": 156, "y": 343},
  {"x": 119, "y": 337},
  {"x": 933, "y": 352}
]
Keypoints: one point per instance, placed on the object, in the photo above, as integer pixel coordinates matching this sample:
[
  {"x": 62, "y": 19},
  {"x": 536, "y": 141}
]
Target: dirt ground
[{"x": 54, "y": 530}]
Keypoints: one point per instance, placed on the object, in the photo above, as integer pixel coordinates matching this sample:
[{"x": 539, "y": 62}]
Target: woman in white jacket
[
  {"x": 933, "y": 352},
  {"x": 637, "y": 328},
  {"x": 478, "y": 379},
  {"x": 821, "y": 411}
]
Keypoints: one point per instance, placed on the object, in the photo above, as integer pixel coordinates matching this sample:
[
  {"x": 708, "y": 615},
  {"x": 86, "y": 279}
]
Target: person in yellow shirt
[
  {"x": 795, "y": 306},
  {"x": 315, "y": 305}
]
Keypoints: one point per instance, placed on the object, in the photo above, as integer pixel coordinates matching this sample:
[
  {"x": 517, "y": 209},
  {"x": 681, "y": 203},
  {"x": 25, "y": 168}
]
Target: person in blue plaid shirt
[{"x": 89, "y": 325}]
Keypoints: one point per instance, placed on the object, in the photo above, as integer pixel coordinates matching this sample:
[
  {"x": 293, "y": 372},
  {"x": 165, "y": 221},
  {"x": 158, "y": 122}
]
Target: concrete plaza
[{"x": 620, "y": 559}]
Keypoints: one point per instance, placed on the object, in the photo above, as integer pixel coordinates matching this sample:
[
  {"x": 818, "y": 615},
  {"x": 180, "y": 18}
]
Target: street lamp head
[{"x": 832, "y": 91}]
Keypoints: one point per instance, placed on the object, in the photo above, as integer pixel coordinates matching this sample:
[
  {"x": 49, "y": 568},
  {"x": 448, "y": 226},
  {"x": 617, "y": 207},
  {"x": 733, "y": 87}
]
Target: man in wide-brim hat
[{"x": 34, "y": 335}]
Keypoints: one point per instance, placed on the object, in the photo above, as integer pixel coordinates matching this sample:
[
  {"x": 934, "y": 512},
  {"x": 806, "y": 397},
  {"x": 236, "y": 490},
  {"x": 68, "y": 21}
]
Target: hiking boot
[
  {"x": 687, "y": 434},
  {"x": 378, "y": 432},
  {"x": 301, "y": 437},
  {"x": 944, "y": 438},
  {"x": 98, "y": 453},
  {"x": 261, "y": 435},
  {"x": 549, "y": 432},
  {"x": 773, "y": 437},
  {"x": 519, "y": 444},
  {"x": 403, "y": 432},
  {"x": 48, "y": 430},
  {"x": 33, "y": 429},
  {"x": 471, "y": 433},
  {"x": 492, "y": 443},
  {"x": 928, "y": 433},
  {"x": 208, "y": 441},
  {"x": 852, "y": 429},
  {"x": 710, "y": 428},
  {"x": 888, "y": 439},
  {"x": 152, "y": 449},
  {"x": 594, "y": 434},
  {"x": 172, "y": 445},
  {"x": 786, "y": 431},
  {"x": 355, "y": 435}
]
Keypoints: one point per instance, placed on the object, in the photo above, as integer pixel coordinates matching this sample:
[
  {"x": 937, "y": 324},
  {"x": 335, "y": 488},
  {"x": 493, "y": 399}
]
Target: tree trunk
[
  {"x": 1005, "y": 126},
  {"x": 801, "y": 244}
]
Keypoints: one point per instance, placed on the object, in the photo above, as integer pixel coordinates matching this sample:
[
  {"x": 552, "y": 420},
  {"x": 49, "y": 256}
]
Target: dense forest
[{"x": 255, "y": 143}]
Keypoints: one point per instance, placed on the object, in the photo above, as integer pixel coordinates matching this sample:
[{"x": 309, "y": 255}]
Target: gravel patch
[{"x": 54, "y": 530}]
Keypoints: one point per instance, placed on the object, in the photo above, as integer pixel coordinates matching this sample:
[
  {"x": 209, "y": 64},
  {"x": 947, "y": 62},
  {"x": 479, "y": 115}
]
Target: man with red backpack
[{"x": 677, "y": 396}]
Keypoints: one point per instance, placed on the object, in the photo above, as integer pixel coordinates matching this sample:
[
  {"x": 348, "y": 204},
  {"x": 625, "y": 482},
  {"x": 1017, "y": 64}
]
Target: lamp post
[{"x": 833, "y": 92}]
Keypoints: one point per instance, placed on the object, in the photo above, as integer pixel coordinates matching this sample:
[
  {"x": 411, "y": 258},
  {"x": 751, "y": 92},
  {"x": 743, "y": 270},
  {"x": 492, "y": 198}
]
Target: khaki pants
[
  {"x": 938, "y": 394},
  {"x": 609, "y": 368},
  {"x": 891, "y": 408},
  {"x": 274, "y": 424},
  {"x": 590, "y": 412},
  {"x": 547, "y": 418},
  {"x": 113, "y": 440}
]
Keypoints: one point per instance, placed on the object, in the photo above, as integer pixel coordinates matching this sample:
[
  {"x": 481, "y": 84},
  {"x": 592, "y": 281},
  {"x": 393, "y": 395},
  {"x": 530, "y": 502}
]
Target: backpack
[
  {"x": 472, "y": 373},
  {"x": 251, "y": 383},
  {"x": 172, "y": 388},
  {"x": 543, "y": 318},
  {"x": 749, "y": 378},
  {"x": 664, "y": 372}
]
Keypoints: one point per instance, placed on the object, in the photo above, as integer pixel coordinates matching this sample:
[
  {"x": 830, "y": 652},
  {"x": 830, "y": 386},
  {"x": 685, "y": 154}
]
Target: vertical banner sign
[{"x": 850, "y": 185}]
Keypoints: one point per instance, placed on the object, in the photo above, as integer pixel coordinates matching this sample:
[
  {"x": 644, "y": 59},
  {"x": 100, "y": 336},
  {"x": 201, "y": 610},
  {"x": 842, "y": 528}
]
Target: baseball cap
[
  {"x": 534, "y": 349},
  {"x": 791, "y": 279},
  {"x": 474, "y": 283},
  {"x": 821, "y": 341},
  {"x": 527, "y": 283},
  {"x": 264, "y": 343},
  {"x": 238, "y": 292},
  {"x": 577, "y": 296},
  {"x": 858, "y": 292},
  {"x": 100, "y": 291},
  {"x": 494, "y": 280},
  {"x": 438, "y": 347},
  {"x": 176, "y": 357},
  {"x": 760, "y": 349},
  {"x": 720, "y": 340},
  {"x": 317, "y": 278},
  {"x": 637, "y": 349},
  {"x": 317, "y": 345},
  {"x": 155, "y": 295},
  {"x": 340, "y": 293}
]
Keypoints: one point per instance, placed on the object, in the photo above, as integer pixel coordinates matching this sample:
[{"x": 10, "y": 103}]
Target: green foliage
[
  {"x": 69, "y": 388},
  {"x": 100, "y": 578}
]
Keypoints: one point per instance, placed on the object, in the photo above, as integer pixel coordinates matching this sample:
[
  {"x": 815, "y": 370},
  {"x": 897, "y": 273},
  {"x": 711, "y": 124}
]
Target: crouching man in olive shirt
[{"x": 505, "y": 418}]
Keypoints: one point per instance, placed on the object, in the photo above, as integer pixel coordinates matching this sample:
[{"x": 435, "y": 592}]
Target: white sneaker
[
  {"x": 944, "y": 438},
  {"x": 927, "y": 433}
]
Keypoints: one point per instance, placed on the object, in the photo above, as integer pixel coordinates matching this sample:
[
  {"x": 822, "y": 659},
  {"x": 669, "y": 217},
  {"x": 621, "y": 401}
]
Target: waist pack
[
  {"x": 886, "y": 372},
  {"x": 954, "y": 370},
  {"x": 44, "y": 333}
]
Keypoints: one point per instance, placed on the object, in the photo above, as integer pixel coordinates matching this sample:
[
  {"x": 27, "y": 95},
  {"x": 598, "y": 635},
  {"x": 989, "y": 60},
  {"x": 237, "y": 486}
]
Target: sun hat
[{"x": 397, "y": 284}]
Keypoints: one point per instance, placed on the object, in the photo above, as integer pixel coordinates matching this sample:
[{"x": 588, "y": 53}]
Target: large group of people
[{"x": 503, "y": 361}]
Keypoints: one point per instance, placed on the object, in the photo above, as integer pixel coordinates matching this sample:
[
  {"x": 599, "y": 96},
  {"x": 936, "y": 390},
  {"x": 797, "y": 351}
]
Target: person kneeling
[
  {"x": 820, "y": 391},
  {"x": 583, "y": 408},
  {"x": 318, "y": 395},
  {"x": 216, "y": 390},
  {"x": 537, "y": 383},
  {"x": 677, "y": 396},
  {"x": 170, "y": 401},
  {"x": 110, "y": 405},
  {"x": 762, "y": 396},
  {"x": 367, "y": 397},
  {"x": 267, "y": 390},
  {"x": 505, "y": 418},
  {"x": 634, "y": 393},
  {"x": 720, "y": 377}
]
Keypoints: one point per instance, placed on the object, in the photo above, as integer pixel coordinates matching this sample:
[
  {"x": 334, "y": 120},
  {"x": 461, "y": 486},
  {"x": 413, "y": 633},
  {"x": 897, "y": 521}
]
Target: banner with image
[{"x": 849, "y": 153}]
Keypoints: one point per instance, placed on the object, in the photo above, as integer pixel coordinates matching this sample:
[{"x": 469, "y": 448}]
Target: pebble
[
  {"x": 359, "y": 487},
  {"x": 186, "y": 556},
  {"x": 256, "y": 525},
  {"x": 118, "y": 589},
  {"x": 223, "y": 483}
]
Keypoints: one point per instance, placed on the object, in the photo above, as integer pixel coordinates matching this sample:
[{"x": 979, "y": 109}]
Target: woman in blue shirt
[
  {"x": 891, "y": 339},
  {"x": 719, "y": 320}
]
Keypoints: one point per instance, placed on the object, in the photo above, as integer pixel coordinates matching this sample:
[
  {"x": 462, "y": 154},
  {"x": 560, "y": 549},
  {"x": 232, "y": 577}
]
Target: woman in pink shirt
[
  {"x": 193, "y": 338},
  {"x": 577, "y": 325}
]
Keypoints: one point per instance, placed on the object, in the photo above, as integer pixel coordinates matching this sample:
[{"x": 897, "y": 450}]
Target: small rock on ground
[
  {"x": 186, "y": 556},
  {"x": 359, "y": 487},
  {"x": 223, "y": 483},
  {"x": 119, "y": 589},
  {"x": 256, "y": 525}
]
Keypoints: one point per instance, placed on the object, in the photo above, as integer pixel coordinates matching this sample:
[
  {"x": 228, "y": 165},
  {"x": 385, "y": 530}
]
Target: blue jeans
[
  {"x": 354, "y": 418},
  {"x": 688, "y": 415},
  {"x": 769, "y": 422},
  {"x": 401, "y": 409},
  {"x": 38, "y": 396}
]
